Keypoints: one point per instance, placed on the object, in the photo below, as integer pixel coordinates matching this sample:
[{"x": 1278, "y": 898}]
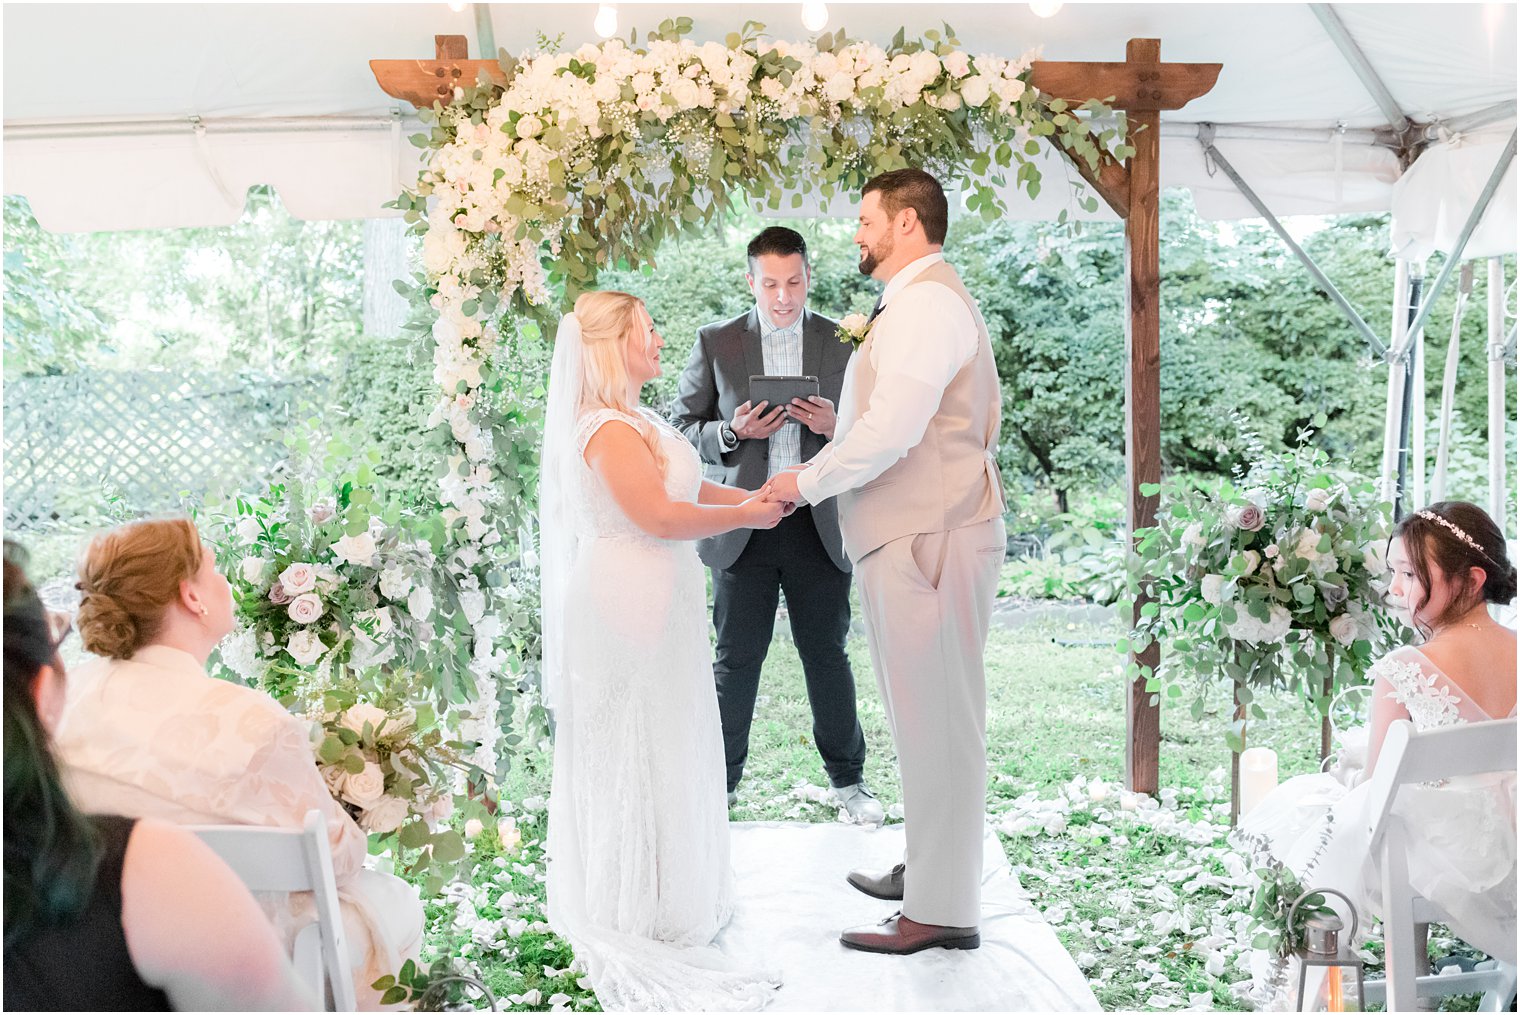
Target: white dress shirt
[
  {"x": 782, "y": 352},
  {"x": 918, "y": 345}
]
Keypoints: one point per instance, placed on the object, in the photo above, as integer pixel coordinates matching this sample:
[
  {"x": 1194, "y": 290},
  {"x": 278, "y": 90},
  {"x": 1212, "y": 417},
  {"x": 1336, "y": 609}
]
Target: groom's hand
[
  {"x": 783, "y": 486},
  {"x": 753, "y": 422}
]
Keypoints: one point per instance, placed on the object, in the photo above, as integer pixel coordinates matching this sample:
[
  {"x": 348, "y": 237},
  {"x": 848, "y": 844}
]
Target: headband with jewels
[{"x": 1455, "y": 530}]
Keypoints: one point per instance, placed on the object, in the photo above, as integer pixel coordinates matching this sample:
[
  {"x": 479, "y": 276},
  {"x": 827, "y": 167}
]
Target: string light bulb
[
  {"x": 606, "y": 20},
  {"x": 1045, "y": 8},
  {"x": 458, "y": 6},
  {"x": 815, "y": 14}
]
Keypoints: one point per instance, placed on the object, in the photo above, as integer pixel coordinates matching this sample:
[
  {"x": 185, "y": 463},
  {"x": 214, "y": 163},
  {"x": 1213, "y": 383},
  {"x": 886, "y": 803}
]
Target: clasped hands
[{"x": 782, "y": 488}]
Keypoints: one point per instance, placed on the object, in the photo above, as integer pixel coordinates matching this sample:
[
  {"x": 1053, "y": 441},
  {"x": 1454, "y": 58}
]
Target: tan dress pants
[{"x": 927, "y": 601}]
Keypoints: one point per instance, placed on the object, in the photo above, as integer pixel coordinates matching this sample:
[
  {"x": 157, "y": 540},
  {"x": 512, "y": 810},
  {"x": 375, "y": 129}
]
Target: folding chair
[
  {"x": 284, "y": 860},
  {"x": 1408, "y": 757}
]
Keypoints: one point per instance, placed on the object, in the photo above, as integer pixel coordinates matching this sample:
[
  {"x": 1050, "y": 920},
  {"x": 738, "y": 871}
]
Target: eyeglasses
[{"x": 60, "y": 626}]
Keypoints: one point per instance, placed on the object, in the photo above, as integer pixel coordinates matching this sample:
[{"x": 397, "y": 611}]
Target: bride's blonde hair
[{"x": 609, "y": 322}]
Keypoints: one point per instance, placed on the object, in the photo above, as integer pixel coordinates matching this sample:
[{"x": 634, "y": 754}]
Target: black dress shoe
[{"x": 888, "y": 886}]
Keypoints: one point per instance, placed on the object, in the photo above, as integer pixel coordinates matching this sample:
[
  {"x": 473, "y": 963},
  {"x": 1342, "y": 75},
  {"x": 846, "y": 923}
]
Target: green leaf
[
  {"x": 448, "y": 847},
  {"x": 395, "y": 995}
]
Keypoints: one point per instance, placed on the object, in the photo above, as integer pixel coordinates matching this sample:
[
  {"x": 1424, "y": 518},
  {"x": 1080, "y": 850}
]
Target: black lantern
[{"x": 1337, "y": 984}]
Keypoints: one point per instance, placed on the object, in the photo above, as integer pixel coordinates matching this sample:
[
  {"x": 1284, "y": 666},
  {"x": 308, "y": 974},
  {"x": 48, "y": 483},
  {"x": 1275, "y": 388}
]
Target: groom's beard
[{"x": 875, "y": 255}]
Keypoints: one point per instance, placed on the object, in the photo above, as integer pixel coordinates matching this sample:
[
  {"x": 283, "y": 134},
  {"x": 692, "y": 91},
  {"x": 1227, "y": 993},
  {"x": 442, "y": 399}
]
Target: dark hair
[
  {"x": 51, "y": 850},
  {"x": 1427, "y": 540},
  {"x": 916, "y": 189},
  {"x": 775, "y": 240}
]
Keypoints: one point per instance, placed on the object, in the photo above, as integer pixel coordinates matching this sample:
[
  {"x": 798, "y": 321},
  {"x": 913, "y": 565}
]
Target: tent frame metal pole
[
  {"x": 1398, "y": 122},
  {"x": 1206, "y": 139},
  {"x": 1455, "y": 257},
  {"x": 1399, "y": 315},
  {"x": 1406, "y": 402},
  {"x": 1472, "y": 121},
  {"x": 485, "y": 34},
  {"x": 1497, "y": 495}
]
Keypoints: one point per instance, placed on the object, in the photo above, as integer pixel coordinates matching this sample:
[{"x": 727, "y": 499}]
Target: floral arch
[{"x": 594, "y": 157}]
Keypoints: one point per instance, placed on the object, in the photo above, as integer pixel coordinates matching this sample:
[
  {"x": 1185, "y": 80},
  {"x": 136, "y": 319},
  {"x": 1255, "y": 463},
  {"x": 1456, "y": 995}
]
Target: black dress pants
[{"x": 788, "y": 559}]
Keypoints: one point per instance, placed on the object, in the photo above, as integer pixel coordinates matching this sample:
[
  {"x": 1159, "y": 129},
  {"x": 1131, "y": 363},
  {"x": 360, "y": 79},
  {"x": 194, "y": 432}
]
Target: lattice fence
[{"x": 148, "y": 437}]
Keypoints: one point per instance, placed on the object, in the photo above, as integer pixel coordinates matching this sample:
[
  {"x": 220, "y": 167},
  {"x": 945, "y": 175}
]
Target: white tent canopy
[{"x": 164, "y": 114}]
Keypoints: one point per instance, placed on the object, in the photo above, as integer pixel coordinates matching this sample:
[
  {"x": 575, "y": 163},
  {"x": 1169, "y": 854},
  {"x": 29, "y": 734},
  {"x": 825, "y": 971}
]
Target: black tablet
[{"x": 777, "y": 389}]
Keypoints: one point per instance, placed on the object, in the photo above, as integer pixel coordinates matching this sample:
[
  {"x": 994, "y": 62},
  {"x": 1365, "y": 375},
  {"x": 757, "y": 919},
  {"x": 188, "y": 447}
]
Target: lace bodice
[
  {"x": 596, "y": 513},
  {"x": 1427, "y": 697}
]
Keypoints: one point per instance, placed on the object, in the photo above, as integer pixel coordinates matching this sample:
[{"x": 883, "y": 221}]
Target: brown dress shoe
[
  {"x": 898, "y": 935},
  {"x": 888, "y": 886}
]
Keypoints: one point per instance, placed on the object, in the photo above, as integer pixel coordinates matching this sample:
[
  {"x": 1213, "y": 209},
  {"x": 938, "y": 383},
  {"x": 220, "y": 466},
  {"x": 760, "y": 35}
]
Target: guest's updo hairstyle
[
  {"x": 128, "y": 577},
  {"x": 1435, "y": 535},
  {"x": 609, "y": 320}
]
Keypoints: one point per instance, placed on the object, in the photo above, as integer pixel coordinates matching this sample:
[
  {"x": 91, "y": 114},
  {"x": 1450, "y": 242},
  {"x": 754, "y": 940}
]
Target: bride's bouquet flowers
[{"x": 1269, "y": 579}]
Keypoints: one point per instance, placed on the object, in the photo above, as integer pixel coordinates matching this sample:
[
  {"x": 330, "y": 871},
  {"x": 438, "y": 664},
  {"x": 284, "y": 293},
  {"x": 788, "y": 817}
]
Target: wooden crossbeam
[{"x": 423, "y": 82}]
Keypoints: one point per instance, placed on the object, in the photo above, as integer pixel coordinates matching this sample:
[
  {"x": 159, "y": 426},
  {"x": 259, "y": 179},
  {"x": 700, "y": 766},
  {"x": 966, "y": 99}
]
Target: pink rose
[
  {"x": 278, "y": 594},
  {"x": 1247, "y": 517},
  {"x": 306, "y": 608}
]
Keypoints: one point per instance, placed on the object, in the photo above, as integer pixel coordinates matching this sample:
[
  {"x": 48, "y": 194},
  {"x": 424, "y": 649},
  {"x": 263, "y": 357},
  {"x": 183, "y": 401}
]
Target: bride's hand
[{"x": 759, "y": 513}]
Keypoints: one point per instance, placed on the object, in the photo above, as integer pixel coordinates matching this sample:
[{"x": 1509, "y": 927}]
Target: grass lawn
[{"x": 1138, "y": 893}]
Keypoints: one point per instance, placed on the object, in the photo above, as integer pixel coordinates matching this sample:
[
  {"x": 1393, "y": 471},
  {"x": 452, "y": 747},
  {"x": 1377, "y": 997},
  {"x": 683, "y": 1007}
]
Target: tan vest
[{"x": 951, "y": 478}]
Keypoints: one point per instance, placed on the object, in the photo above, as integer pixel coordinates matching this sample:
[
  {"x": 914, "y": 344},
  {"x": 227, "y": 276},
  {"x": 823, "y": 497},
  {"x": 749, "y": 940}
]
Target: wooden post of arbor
[{"x": 1142, "y": 86}]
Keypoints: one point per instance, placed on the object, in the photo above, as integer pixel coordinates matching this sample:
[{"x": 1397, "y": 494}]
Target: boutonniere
[{"x": 854, "y": 328}]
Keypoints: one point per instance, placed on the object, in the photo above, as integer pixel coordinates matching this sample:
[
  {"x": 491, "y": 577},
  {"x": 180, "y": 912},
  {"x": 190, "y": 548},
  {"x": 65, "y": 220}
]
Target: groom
[{"x": 921, "y": 510}]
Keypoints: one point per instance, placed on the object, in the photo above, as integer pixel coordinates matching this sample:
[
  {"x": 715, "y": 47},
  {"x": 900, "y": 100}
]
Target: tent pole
[
  {"x": 1406, "y": 403},
  {"x": 485, "y": 35},
  {"x": 1336, "y": 29},
  {"x": 1395, "y": 407},
  {"x": 1472, "y": 121},
  {"x": 1497, "y": 496},
  {"x": 1417, "y": 419},
  {"x": 1455, "y": 256},
  {"x": 1449, "y": 384},
  {"x": 1320, "y": 279}
]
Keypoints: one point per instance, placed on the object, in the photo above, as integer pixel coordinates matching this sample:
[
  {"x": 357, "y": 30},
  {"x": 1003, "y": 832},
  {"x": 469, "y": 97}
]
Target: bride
[
  {"x": 1448, "y": 563},
  {"x": 639, "y": 875}
]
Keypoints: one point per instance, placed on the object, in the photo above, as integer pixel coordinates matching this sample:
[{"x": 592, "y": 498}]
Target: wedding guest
[
  {"x": 147, "y": 733},
  {"x": 146, "y": 911},
  {"x": 1448, "y": 563},
  {"x": 743, "y": 443}
]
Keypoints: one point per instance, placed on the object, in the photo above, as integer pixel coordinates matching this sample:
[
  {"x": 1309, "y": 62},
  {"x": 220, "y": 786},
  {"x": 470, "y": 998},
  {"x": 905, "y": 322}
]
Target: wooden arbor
[{"x": 1142, "y": 86}]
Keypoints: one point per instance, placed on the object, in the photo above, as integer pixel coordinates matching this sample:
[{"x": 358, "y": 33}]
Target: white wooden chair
[
  {"x": 1409, "y": 757},
  {"x": 285, "y": 860}
]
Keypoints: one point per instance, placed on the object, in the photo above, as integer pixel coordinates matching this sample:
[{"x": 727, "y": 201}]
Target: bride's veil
[{"x": 557, "y": 537}]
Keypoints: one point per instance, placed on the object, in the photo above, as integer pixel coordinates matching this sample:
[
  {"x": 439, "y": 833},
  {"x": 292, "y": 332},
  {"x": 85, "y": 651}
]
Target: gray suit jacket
[{"x": 716, "y": 382}]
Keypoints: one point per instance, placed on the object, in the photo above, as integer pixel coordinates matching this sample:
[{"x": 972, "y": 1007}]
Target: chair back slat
[
  {"x": 1447, "y": 753},
  {"x": 286, "y": 860}
]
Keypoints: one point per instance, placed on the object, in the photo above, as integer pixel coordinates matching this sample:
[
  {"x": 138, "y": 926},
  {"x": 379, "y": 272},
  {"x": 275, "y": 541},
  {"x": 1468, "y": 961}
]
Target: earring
[{"x": 203, "y": 611}]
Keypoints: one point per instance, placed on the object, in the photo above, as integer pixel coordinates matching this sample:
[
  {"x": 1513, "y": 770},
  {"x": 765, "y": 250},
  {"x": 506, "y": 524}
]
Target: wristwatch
[{"x": 727, "y": 436}]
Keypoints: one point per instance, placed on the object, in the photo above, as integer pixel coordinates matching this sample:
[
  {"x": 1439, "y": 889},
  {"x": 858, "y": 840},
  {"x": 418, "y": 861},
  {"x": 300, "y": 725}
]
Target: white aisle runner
[{"x": 793, "y": 902}]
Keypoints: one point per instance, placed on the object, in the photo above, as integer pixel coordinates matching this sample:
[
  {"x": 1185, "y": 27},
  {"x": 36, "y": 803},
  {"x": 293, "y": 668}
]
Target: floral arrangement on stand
[
  {"x": 350, "y": 617},
  {"x": 594, "y": 157},
  {"x": 1270, "y": 581}
]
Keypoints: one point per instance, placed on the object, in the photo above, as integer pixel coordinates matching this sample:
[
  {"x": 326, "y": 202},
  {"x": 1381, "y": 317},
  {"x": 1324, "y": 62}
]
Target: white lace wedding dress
[
  {"x": 639, "y": 874},
  {"x": 1461, "y": 833}
]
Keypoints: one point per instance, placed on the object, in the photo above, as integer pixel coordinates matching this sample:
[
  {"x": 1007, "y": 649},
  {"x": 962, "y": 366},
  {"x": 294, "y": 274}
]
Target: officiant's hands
[
  {"x": 754, "y": 422},
  {"x": 814, "y": 412}
]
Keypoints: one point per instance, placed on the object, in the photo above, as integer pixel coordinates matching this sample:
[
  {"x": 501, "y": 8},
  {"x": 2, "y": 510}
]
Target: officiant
[{"x": 743, "y": 441}]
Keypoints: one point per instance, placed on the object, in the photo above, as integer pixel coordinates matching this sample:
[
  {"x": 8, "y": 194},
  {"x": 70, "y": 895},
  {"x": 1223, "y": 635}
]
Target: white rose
[
  {"x": 529, "y": 126},
  {"x": 385, "y": 816},
  {"x": 840, "y": 86},
  {"x": 1253, "y": 561},
  {"x": 248, "y": 528},
  {"x": 1011, "y": 90},
  {"x": 1319, "y": 500},
  {"x": 321, "y": 511},
  {"x": 1193, "y": 535},
  {"x": 298, "y": 578},
  {"x": 420, "y": 603},
  {"x": 854, "y": 323},
  {"x": 305, "y": 609},
  {"x": 363, "y": 712},
  {"x": 957, "y": 63},
  {"x": 252, "y": 569},
  {"x": 1213, "y": 588},
  {"x": 305, "y": 647},
  {"x": 334, "y": 776},
  {"x": 365, "y": 787},
  {"x": 358, "y": 549},
  {"x": 976, "y": 90},
  {"x": 395, "y": 583}
]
